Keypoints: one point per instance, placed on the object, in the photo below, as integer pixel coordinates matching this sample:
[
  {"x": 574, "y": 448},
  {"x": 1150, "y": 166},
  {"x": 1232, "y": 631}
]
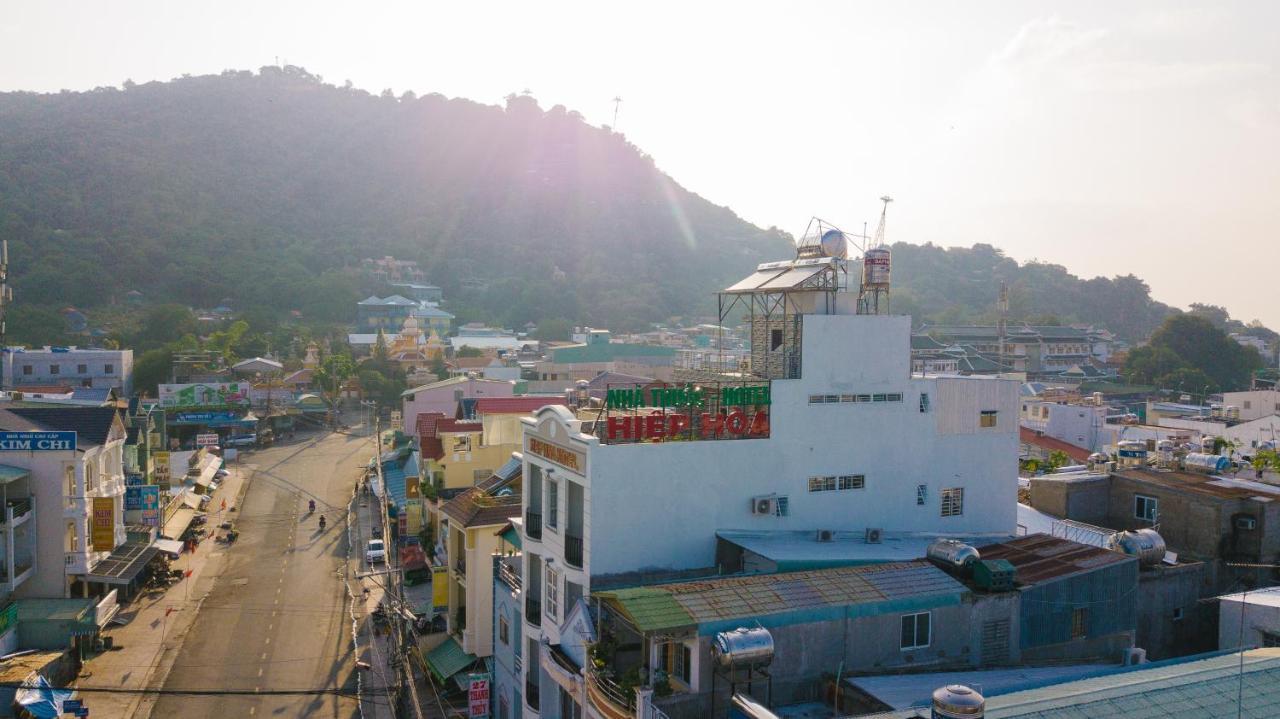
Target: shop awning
[
  {"x": 193, "y": 501},
  {"x": 124, "y": 565},
  {"x": 448, "y": 659},
  {"x": 178, "y": 523},
  {"x": 9, "y": 473},
  {"x": 168, "y": 546}
]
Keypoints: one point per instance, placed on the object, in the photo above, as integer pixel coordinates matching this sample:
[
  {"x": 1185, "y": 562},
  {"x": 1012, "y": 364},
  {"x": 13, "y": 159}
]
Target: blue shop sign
[
  {"x": 132, "y": 498},
  {"x": 205, "y": 417},
  {"x": 38, "y": 441}
]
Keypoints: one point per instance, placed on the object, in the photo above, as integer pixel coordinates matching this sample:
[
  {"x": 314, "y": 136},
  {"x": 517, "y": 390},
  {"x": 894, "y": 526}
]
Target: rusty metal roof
[
  {"x": 1040, "y": 558},
  {"x": 1207, "y": 484}
]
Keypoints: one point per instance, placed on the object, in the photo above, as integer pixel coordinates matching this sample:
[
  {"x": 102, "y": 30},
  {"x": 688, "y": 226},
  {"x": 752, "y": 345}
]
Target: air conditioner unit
[
  {"x": 762, "y": 505},
  {"x": 873, "y": 535},
  {"x": 826, "y": 535},
  {"x": 1246, "y": 523}
]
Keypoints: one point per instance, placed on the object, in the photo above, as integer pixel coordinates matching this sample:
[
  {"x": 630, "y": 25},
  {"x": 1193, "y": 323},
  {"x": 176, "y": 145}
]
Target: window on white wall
[
  {"x": 553, "y": 595},
  {"x": 988, "y": 418},
  {"x": 915, "y": 630},
  {"x": 553, "y": 504},
  {"x": 922, "y": 493},
  {"x": 953, "y": 502},
  {"x": 1145, "y": 507}
]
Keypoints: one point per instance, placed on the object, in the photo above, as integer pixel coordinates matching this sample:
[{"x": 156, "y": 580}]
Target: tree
[
  {"x": 332, "y": 376},
  {"x": 150, "y": 369},
  {"x": 163, "y": 324},
  {"x": 468, "y": 351},
  {"x": 551, "y": 330},
  {"x": 1058, "y": 459},
  {"x": 1203, "y": 346}
]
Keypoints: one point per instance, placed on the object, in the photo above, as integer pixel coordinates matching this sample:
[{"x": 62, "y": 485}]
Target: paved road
[{"x": 277, "y": 618}]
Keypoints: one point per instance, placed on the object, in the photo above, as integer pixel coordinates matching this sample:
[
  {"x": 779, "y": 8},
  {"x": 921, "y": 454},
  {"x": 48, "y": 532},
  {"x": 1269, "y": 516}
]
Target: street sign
[
  {"x": 478, "y": 696},
  {"x": 104, "y": 532},
  {"x": 161, "y": 470},
  {"x": 71, "y": 705},
  {"x": 206, "y": 440}
]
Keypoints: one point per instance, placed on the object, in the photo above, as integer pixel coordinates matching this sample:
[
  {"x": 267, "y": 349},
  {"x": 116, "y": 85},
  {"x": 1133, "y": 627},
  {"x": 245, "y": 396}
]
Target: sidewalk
[
  {"x": 159, "y": 620},
  {"x": 374, "y": 644}
]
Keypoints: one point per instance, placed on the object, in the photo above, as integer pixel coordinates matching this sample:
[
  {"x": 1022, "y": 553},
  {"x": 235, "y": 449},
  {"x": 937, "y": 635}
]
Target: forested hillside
[
  {"x": 268, "y": 188},
  {"x": 263, "y": 187}
]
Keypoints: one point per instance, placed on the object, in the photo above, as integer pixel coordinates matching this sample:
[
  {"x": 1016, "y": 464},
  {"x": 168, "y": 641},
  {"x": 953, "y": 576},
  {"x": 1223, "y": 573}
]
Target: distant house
[
  {"x": 389, "y": 314},
  {"x": 443, "y": 397},
  {"x": 133, "y": 297},
  {"x": 76, "y": 320}
]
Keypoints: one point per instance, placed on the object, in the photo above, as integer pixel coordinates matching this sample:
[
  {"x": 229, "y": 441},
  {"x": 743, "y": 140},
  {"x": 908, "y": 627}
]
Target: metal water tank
[
  {"x": 1098, "y": 462},
  {"x": 743, "y": 647},
  {"x": 953, "y": 554},
  {"x": 957, "y": 701},
  {"x": 875, "y": 267},
  {"x": 1132, "y": 453},
  {"x": 1205, "y": 463},
  {"x": 1164, "y": 452},
  {"x": 1145, "y": 544}
]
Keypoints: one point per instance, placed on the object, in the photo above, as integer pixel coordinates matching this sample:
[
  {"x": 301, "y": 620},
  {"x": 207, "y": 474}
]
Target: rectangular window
[
  {"x": 108, "y": 369},
  {"x": 26, "y": 369},
  {"x": 675, "y": 659},
  {"x": 852, "y": 481},
  {"x": 877, "y": 398},
  {"x": 922, "y": 492},
  {"x": 953, "y": 502},
  {"x": 864, "y": 398},
  {"x": 553, "y": 594},
  {"x": 817, "y": 398},
  {"x": 831, "y": 398},
  {"x": 553, "y": 504},
  {"x": 504, "y": 631},
  {"x": 775, "y": 339},
  {"x": 53, "y": 369},
  {"x": 893, "y": 397},
  {"x": 924, "y": 402},
  {"x": 915, "y": 631},
  {"x": 781, "y": 507},
  {"x": 987, "y": 418},
  {"x": 1247, "y": 404},
  {"x": 1079, "y": 623},
  {"x": 822, "y": 484},
  {"x": 82, "y": 369},
  {"x": 848, "y": 398},
  {"x": 1145, "y": 507}
]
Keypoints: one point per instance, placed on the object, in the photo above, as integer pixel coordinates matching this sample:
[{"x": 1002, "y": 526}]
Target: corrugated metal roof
[
  {"x": 705, "y": 601},
  {"x": 1041, "y": 558}
]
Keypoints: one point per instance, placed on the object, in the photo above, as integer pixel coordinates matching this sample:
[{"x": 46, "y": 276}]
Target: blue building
[{"x": 507, "y": 694}]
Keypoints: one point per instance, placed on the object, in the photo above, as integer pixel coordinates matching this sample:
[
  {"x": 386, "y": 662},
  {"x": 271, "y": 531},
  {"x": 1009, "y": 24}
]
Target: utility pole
[
  {"x": 6, "y": 296},
  {"x": 616, "y": 102}
]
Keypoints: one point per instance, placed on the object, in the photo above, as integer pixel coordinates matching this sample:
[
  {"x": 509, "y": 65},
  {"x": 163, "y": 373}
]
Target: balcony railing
[
  {"x": 533, "y": 611},
  {"x": 509, "y": 575},
  {"x": 531, "y": 693},
  {"x": 16, "y": 509},
  {"x": 533, "y": 524},
  {"x": 609, "y": 699},
  {"x": 77, "y": 563},
  {"x": 573, "y": 550}
]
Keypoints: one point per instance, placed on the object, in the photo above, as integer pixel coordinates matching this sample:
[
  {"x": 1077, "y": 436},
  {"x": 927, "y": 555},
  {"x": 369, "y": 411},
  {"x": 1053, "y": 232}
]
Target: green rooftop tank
[{"x": 996, "y": 575}]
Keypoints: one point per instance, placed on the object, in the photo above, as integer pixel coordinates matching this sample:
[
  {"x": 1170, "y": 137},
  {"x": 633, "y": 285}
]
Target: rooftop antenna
[
  {"x": 616, "y": 102},
  {"x": 879, "y": 238}
]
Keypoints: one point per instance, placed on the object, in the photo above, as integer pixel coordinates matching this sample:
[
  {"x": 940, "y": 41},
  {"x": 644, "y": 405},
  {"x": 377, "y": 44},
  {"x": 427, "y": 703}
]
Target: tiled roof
[
  {"x": 426, "y": 423},
  {"x": 514, "y": 405},
  {"x": 457, "y": 425},
  {"x": 92, "y": 425},
  {"x": 507, "y": 474},
  {"x": 1052, "y": 444},
  {"x": 474, "y": 508},
  {"x": 1040, "y": 557},
  {"x": 684, "y": 604}
]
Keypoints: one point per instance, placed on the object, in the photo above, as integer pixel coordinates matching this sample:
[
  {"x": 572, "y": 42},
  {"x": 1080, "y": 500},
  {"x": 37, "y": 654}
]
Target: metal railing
[
  {"x": 533, "y": 524},
  {"x": 510, "y": 575},
  {"x": 612, "y": 691},
  {"x": 573, "y": 550},
  {"x": 17, "y": 508},
  {"x": 533, "y": 611}
]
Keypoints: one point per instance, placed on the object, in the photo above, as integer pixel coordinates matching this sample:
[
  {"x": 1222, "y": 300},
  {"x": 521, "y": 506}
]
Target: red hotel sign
[
  {"x": 657, "y": 425},
  {"x": 566, "y": 458}
]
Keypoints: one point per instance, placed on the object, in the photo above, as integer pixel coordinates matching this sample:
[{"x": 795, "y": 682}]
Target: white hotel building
[{"x": 855, "y": 443}]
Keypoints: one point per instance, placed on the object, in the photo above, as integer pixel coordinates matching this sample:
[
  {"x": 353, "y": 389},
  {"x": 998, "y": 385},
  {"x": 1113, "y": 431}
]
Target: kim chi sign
[{"x": 37, "y": 441}]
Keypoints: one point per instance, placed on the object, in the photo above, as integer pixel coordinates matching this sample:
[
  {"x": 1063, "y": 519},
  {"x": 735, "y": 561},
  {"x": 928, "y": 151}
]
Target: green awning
[
  {"x": 448, "y": 659},
  {"x": 10, "y": 473},
  {"x": 649, "y": 609},
  {"x": 511, "y": 536}
]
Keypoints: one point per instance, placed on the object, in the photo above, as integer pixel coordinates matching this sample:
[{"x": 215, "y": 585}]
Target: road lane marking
[
  {"x": 259, "y": 671},
  {"x": 268, "y": 640},
  {"x": 264, "y": 656},
  {"x": 253, "y": 710}
]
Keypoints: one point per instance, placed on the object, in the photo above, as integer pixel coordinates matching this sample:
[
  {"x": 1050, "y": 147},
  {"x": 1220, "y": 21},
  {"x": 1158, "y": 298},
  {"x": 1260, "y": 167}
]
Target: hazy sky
[{"x": 1108, "y": 137}]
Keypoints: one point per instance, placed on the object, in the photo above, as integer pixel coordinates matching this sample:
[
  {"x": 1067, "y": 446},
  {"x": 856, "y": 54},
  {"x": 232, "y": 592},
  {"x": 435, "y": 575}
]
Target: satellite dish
[{"x": 834, "y": 244}]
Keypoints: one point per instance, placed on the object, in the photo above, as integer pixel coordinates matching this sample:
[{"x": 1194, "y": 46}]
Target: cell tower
[{"x": 873, "y": 296}]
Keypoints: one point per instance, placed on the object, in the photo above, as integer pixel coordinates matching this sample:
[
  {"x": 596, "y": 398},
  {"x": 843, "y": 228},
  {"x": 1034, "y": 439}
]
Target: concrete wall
[
  {"x": 95, "y": 361},
  {"x": 1172, "y": 621},
  {"x": 445, "y": 399},
  {"x": 1260, "y": 619},
  {"x": 506, "y": 678},
  {"x": 1084, "y": 500}
]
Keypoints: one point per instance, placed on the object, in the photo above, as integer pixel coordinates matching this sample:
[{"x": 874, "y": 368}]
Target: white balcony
[
  {"x": 77, "y": 563},
  {"x": 76, "y": 507}
]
